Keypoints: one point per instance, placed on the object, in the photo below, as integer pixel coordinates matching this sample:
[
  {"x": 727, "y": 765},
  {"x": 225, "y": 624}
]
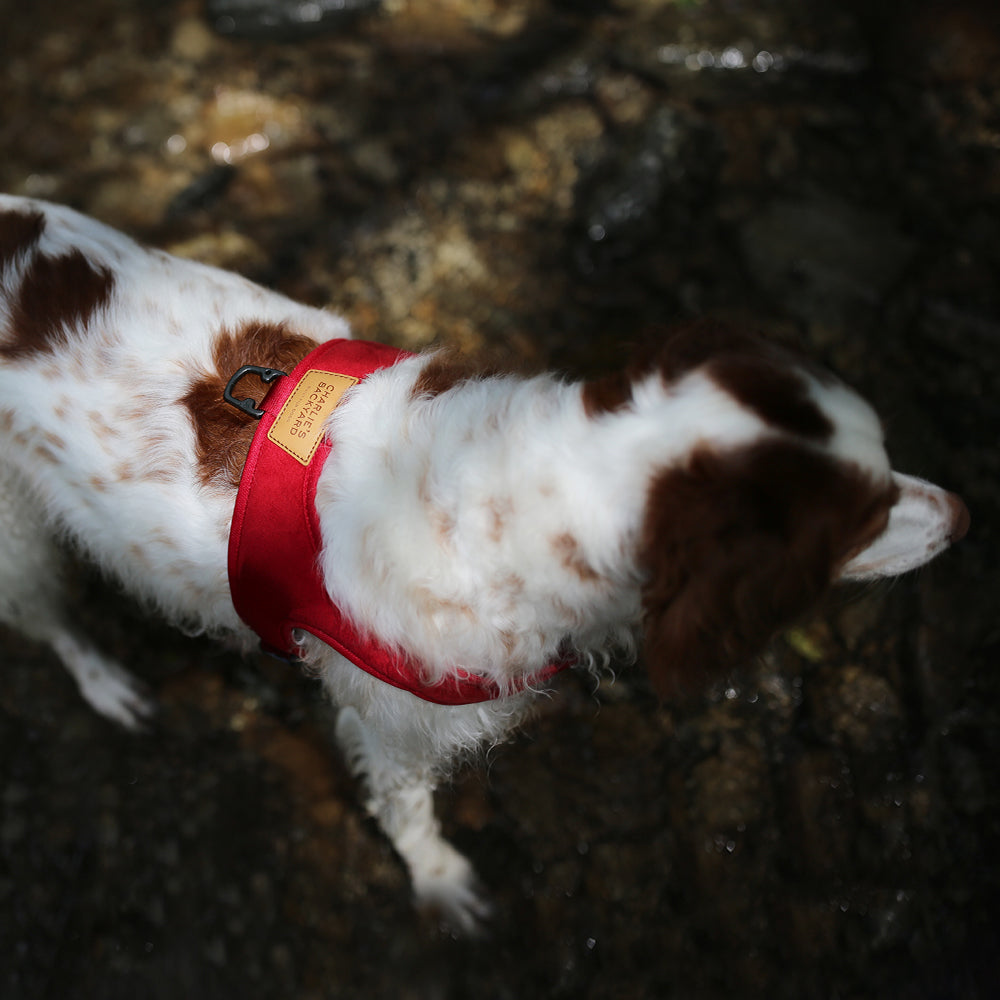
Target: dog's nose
[{"x": 960, "y": 519}]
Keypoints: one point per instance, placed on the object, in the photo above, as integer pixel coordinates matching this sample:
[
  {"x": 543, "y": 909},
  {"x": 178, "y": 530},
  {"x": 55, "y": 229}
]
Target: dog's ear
[
  {"x": 923, "y": 522},
  {"x": 737, "y": 545}
]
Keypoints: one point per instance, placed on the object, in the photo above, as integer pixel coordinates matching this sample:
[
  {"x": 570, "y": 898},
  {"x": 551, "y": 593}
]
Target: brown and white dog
[{"x": 481, "y": 526}]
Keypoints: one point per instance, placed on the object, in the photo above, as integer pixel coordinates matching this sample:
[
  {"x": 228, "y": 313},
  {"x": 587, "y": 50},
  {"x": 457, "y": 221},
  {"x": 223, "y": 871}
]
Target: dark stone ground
[{"x": 545, "y": 178}]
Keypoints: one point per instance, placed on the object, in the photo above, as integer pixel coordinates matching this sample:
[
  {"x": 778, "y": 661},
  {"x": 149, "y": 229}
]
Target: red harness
[{"x": 274, "y": 543}]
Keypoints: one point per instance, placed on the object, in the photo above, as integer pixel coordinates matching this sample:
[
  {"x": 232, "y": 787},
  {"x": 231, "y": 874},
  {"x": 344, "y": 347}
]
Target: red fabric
[{"x": 275, "y": 542}]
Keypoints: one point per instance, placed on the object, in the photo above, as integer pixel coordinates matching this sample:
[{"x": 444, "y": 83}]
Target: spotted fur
[
  {"x": 223, "y": 433},
  {"x": 478, "y": 521}
]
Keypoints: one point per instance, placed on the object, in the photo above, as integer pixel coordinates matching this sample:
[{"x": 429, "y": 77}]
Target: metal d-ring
[{"x": 247, "y": 405}]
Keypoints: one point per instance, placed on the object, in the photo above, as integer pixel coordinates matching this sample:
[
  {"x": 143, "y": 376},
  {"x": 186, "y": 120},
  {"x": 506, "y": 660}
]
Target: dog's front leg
[
  {"x": 400, "y": 795},
  {"x": 32, "y": 601}
]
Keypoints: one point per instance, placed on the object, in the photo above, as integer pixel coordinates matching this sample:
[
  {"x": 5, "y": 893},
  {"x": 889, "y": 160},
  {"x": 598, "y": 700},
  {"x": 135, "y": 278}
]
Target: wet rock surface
[{"x": 544, "y": 178}]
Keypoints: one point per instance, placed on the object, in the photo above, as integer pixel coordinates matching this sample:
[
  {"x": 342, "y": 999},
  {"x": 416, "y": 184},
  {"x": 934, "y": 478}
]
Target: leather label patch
[{"x": 298, "y": 427}]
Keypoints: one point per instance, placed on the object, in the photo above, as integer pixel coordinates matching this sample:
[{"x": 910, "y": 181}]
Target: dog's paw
[
  {"x": 446, "y": 888},
  {"x": 108, "y": 688},
  {"x": 118, "y": 696}
]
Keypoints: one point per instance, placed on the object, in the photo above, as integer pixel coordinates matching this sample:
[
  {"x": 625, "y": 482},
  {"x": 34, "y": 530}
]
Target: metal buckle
[{"x": 247, "y": 405}]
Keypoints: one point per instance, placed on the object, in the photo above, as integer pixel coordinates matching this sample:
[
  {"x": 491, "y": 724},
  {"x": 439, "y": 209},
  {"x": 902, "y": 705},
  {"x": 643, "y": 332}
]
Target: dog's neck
[{"x": 488, "y": 527}]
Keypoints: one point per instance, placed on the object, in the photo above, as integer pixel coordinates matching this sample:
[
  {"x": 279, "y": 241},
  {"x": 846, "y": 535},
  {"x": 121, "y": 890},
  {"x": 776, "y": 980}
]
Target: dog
[{"x": 455, "y": 536}]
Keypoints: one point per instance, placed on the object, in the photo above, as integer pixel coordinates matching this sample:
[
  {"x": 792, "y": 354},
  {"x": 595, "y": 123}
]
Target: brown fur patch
[
  {"x": 447, "y": 368},
  {"x": 56, "y": 294},
  {"x": 442, "y": 372},
  {"x": 608, "y": 394},
  {"x": 778, "y": 395},
  {"x": 499, "y": 511},
  {"x": 444, "y": 524},
  {"x": 19, "y": 233},
  {"x": 567, "y": 548},
  {"x": 125, "y": 471},
  {"x": 222, "y": 433},
  {"x": 45, "y": 455},
  {"x": 433, "y": 604},
  {"x": 166, "y": 541},
  {"x": 759, "y": 375},
  {"x": 737, "y": 545},
  {"x": 673, "y": 353},
  {"x": 512, "y": 584},
  {"x": 509, "y": 640},
  {"x": 161, "y": 474},
  {"x": 138, "y": 555},
  {"x": 54, "y": 440}
]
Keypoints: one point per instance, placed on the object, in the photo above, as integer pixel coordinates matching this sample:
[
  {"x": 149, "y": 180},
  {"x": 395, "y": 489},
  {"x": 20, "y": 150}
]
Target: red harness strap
[{"x": 274, "y": 543}]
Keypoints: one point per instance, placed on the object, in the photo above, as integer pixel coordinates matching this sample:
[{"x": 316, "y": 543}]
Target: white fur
[
  {"x": 922, "y": 523},
  {"x": 441, "y": 516}
]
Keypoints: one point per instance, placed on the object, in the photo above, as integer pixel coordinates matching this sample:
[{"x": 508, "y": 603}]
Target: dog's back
[{"x": 101, "y": 341}]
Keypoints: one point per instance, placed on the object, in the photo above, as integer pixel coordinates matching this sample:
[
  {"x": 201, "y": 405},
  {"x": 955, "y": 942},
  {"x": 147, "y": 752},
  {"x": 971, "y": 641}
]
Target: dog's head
[{"x": 745, "y": 529}]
